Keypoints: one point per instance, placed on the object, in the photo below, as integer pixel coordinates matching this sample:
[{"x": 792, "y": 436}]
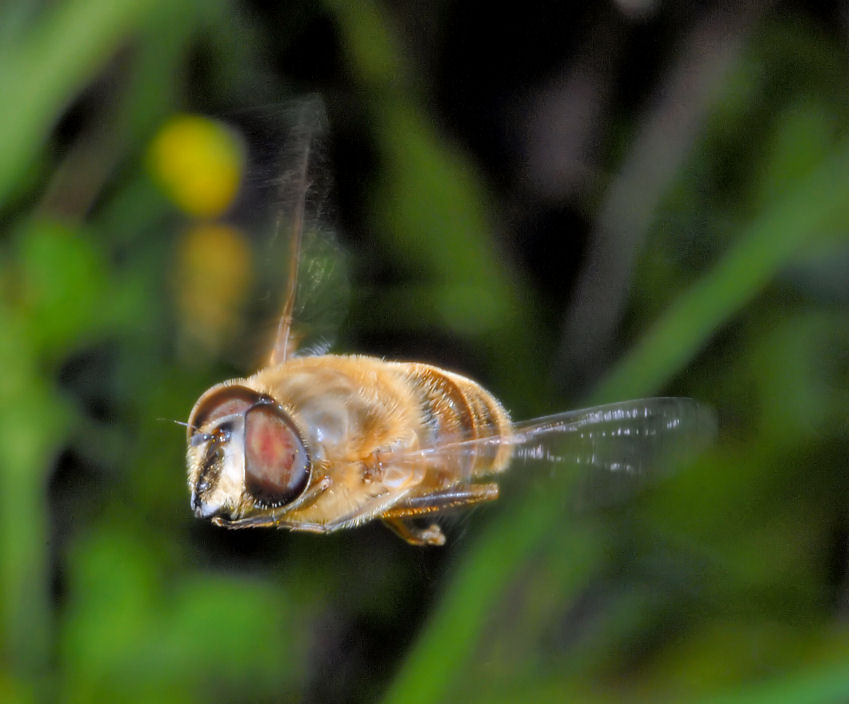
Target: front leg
[{"x": 273, "y": 518}]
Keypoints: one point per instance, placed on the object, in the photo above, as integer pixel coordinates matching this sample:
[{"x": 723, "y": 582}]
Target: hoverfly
[{"x": 321, "y": 442}]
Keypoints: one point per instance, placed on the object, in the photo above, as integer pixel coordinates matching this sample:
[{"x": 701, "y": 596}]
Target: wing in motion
[
  {"x": 302, "y": 250},
  {"x": 636, "y": 437}
]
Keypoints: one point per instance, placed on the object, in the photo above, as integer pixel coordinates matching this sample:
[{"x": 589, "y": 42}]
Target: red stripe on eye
[{"x": 218, "y": 402}]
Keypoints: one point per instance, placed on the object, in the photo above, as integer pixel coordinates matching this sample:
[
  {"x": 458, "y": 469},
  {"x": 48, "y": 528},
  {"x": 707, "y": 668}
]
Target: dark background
[{"x": 573, "y": 205}]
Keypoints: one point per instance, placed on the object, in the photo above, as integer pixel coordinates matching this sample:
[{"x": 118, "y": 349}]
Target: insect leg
[
  {"x": 276, "y": 519},
  {"x": 270, "y": 521},
  {"x": 456, "y": 497},
  {"x": 273, "y": 519},
  {"x": 404, "y": 529},
  {"x": 399, "y": 518},
  {"x": 252, "y": 522}
]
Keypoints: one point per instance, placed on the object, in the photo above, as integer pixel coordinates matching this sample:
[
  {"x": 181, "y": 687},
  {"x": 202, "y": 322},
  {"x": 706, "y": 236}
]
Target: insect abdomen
[{"x": 454, "y": 409}]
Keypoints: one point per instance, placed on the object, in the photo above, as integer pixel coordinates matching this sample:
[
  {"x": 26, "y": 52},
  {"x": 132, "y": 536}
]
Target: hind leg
[{"x": 399, "y": 518}]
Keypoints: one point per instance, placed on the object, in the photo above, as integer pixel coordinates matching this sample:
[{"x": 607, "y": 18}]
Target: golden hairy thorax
[{"x": 348, "y": 407}]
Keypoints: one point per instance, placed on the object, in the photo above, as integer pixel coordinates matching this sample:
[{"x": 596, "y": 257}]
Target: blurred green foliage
[{"x": 726, "y": 582}]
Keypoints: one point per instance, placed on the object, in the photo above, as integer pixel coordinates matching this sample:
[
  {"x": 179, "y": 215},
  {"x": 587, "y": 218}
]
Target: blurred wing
[
  {"x": 321, "y": 296},
  {"x": 303, "y": 251},
  {"x": 629, "y": 436},
  {"x": 635, "y": 437}
]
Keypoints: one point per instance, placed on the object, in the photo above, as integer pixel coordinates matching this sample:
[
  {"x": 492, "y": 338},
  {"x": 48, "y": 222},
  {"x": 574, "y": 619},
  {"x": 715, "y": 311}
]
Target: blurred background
[{"x": 571, "y": 203}]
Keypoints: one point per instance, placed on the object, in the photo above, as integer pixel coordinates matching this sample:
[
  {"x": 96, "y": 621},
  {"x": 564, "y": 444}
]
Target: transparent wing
[
  {"x": 321, "y": 297},
  {"x": 300, "y": 261},
  {"x": 628, "y": 436},
  {"x": 635, "y": 437}
]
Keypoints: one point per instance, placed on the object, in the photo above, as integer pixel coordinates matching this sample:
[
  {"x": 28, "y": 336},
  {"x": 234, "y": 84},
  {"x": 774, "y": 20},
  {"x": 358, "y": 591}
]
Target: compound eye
[
  {"x": 276, "y": 463},
  {"x": 218, "y": 402}
]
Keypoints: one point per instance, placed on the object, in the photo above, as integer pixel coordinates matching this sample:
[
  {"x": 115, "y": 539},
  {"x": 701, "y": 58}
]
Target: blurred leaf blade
[
  {"x": 813, "y": 685},
  {"x": 49, "y": 65},
  {"x": 762, "y": 250},
  {"x": 766, "y": 246}
]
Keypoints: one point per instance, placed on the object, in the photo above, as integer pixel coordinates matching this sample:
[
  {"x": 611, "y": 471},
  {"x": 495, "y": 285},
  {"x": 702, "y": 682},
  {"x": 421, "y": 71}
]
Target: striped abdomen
[{"x": 456, "y": 409}]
